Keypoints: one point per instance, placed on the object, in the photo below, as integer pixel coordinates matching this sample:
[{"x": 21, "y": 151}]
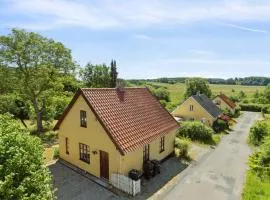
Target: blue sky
[{"x": 154, "y": 38}]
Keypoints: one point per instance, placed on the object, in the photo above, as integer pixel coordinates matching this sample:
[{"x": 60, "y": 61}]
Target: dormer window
[{"x": 83, "y": 118}]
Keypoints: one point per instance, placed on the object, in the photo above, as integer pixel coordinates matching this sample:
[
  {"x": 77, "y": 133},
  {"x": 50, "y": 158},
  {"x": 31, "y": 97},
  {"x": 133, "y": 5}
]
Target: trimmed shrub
[
  {"x": 220, "y": 125},
  {"x": 258, "y": 132},
  {"x": 182, "y": 148},
  {"x": 265, "y": 108},
  {"x": 196, "y": 131}
]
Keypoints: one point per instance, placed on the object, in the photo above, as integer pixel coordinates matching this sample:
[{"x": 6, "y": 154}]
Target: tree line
[
  {"x": 38, "y": 76},
  {"x": 256, "y": 81}
]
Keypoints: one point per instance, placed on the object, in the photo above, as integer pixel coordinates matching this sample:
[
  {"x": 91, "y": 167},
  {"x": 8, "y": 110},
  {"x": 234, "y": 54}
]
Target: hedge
[{"x": 255, "y": 107}]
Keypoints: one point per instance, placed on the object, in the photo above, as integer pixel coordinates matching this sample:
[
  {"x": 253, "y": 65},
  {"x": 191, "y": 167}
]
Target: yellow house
[
  {"x": 108, "y": 130},
  {"x": 224, "y": 102},
  {"x": 198, "y": 107}
]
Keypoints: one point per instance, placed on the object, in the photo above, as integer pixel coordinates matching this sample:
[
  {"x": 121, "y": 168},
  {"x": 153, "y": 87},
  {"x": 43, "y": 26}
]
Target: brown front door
[{"x": 104, "y": 164}]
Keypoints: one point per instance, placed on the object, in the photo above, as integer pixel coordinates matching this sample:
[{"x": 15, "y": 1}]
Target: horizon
[{"x": 154, "y": 39}]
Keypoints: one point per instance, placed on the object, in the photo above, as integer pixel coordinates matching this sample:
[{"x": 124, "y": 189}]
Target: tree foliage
[
  {"x": 22, "y": 174},
  {"x": 197, "y": 85},
  {"x": 113, "y": 74},
  {"x": 39, "y": 63},
  {"x": 98, "y": 76}
]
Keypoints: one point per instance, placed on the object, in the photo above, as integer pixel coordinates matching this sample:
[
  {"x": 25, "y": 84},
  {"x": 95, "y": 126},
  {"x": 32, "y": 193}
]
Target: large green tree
[
  {"x": 39, "y": 63},
  {"x": 197, "y": 85},
  {"x": 96, "y": 76},
  {"x": 22, "y": 174}
]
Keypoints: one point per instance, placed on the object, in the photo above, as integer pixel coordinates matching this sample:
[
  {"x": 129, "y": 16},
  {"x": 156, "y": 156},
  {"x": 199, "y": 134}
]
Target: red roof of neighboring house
[
  {"x": 132, "y": 117},
  {"x": 227, "y": 100}
]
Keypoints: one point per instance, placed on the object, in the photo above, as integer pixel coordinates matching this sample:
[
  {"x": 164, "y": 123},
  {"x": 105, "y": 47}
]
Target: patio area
[{"x": 72, "y": 185}]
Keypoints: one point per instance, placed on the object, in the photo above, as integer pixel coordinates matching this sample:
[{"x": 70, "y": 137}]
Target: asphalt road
[{"x": 221, "y": 175}]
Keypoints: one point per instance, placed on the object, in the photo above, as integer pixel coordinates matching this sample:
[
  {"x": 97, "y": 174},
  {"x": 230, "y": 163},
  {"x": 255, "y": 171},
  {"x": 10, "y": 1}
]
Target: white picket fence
[{"x": 126, "y": 184}]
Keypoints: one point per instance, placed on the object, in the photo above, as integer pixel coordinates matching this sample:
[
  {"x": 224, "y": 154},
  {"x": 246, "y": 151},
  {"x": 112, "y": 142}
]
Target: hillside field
[{"x": 177, "y": 90}]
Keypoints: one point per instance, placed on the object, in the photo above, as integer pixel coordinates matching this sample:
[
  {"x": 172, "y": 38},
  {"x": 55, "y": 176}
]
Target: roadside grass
[
  {"x": 256, "y": 188},
  {"x": 267, "y": 116}
]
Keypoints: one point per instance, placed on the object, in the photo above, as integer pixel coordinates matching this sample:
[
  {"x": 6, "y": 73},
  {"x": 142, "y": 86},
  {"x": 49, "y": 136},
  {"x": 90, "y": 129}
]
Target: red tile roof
[
  {"x": 227, "y": 100},
  {"x": 132, "y": 117}
]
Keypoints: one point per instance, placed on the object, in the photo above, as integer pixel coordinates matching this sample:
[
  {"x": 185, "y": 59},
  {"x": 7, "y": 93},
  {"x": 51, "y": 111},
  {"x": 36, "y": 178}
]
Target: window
[
  {"x": 84, "y": 153},
  {"x": 191, "y": 108},
  {"x": 146, "y": 153},
  {"x": 162, "y": 144},
  {"x": 83, "y": 118},
  {"x": 67, "y": 152}
]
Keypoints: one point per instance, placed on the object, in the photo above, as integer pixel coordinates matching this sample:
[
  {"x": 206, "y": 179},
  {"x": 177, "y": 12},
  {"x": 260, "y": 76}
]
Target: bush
[
  {"x": 56, "y": 152},
  {"x": 258, "y": 132},
  {"x": 237, "y": 112},
  {"x": 196, "y": 131},
  {"x": 163, "y": 103},
  {"x": 220, "y": 125},
  {"x": 266, "y": 109},
  {"x": 234, "y": 98},
  {"x": 22, "y": 174},
  {"x": 182, "y": 147},
  {"x": 162, "y": 94},
  {"x": 259, "y": 161}
]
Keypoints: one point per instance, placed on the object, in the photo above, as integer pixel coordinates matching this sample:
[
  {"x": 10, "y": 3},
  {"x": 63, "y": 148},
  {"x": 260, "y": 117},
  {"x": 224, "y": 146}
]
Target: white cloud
[
  {"x": 135, "y": 13},
  {"x": 244, "y": 28}
]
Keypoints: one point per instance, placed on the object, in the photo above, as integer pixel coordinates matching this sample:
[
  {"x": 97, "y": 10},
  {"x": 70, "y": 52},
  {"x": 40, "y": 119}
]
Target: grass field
[{"x": 177, "y": 90}]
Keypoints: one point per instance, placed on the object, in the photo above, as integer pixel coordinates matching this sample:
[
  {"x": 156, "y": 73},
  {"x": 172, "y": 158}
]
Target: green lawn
[
  {"x": 256, "y": 188},
  {"x": 177, "y": 90}
]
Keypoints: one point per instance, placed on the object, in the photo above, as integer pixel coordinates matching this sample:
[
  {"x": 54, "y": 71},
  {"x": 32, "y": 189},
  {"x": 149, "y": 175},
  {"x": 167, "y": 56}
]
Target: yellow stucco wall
[
  {"x": 97, "y": 139},
  {"x": 94, "y": 136},
  {"x": 134, "y": 160},
  {"x": 197, "y": 114},
  {"x": 223, "y": 105}
]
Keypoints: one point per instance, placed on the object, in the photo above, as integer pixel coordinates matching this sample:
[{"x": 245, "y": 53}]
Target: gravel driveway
[{"x": 220, "y": 175}]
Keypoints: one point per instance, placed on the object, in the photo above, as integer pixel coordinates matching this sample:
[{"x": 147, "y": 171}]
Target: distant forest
[{"x": 256, "y": 81}]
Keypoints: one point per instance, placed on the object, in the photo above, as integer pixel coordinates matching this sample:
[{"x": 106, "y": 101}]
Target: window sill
[
  {"x": 85, "y": 161},
  {"x": 161, "y": 151}
]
